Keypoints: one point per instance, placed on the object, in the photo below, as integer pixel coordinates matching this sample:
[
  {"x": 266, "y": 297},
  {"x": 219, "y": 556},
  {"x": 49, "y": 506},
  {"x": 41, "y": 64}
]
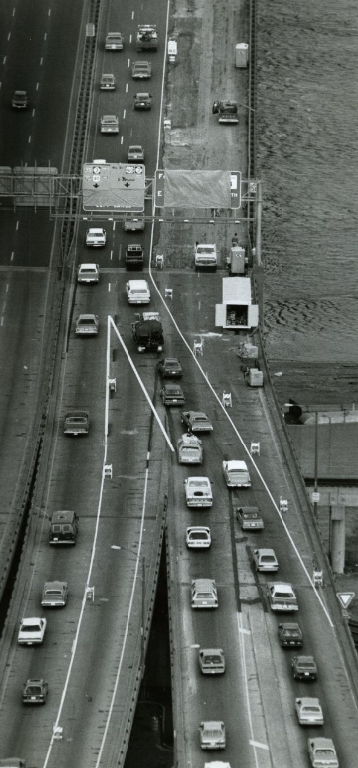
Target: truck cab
[
  {"x": 134, "y": 256},
  {"x": 148, "y": 332},
  {"x": 227, "y": 111},
  {"x": 64, "y": 527},
  {"x": 146, "y": 37}
]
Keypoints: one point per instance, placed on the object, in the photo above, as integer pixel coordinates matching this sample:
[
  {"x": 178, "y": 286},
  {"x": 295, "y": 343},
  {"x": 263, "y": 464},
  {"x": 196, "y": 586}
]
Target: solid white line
[
  {"x": 246, "y": 683},
  {"x": 17, "y": 225},
  {"x": 110, "y": 320}
]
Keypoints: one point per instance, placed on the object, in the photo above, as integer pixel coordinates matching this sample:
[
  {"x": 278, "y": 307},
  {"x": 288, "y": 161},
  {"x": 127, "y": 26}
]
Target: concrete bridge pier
[{"x": 337, "y": 537}]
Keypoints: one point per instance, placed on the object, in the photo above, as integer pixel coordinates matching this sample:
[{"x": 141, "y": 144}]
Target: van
[{"x": 64, "y": 527}]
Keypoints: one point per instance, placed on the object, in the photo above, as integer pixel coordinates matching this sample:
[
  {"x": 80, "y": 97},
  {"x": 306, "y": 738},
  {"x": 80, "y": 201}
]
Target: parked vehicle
[{"x": 237, "y": 310}]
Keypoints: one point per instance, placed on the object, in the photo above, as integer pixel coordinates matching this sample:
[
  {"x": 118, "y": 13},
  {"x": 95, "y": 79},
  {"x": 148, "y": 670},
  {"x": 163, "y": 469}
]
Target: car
[
  {"x": 170, "y": 368},
  {"x": 236, "y": 474},
  {"x": 87, "y": 325},
  {"x": 138, "y": 292},
  {"x": 20, "y": 100},
  {"x": 304, "y": 668},
  {"x": 282, "y": 597},
  {"x": 35, "y": 691},
  {"x": 290, "y": 635},
  {"x": 172, "y": 394},
  {"x": 32, "y": 631},
  {"x": 54, "y": 594},
  {"x": 198, "y": 537},
  {"x": 135, "y": 153},
  {"x": 109, "y": 124},
  {"x": 141, "y": 70},
  {"x": 265, "y": 560},
  {"x": 322, "y": 753},
  {"x": 212, "y": 661},
  {"x": 76, "y": 423},
  {"x": 212, "y": 734},
  {"x": 142, "y": 101},
  {"x": 88, "y": 273},
  {"x": 198, "y": 492},
  {"x": 309, "y": 711},
  {"x": 189, "y": 450},
  {"x": 96, "y": 237},
  {"x": 250, "y": 518},
  {"x": 204, "y": 593},
  {"x": 114, "y": 41},
  {"x": 196, "y": 421},
  {"x": 63, "y": 528},
  {"x": 134, "y": 224},
  {"x": 108, "y": 83}
]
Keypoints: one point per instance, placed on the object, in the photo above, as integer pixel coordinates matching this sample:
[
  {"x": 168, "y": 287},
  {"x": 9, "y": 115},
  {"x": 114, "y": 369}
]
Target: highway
[{"x": 92, "y": 651}]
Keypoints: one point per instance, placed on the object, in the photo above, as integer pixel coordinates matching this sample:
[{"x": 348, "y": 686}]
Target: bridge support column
[{"x": 337, "y": 537}]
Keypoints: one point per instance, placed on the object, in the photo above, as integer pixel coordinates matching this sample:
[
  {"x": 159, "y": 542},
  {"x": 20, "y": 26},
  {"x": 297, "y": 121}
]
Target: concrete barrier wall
[{"x": 337, "y": 451}]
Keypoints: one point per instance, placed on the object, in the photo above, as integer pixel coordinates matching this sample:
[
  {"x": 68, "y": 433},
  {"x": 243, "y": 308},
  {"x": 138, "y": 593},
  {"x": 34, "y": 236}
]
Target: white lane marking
[
  {"x": 2, "y": 321},
  {"x": 33, "y": 112},
  {"x": 17, "y": 225},
  {"x": 130, "y": 38},
  {"x": 246, "y": 683},
  {"x": 7, "y": 287},
  {"x": 49, "y": 12},
  {"x": 4, "y": 60},
  {"x": 109, "y": 287},
  {"x": 114, "y": 225},
  {"x": 4, "y": 306},
  {"x": 45, "y": 36},
  {"x": 13, "y": 11},
  {"x": 41, "y": 61},
  {"x": 37, "y": 86},
  {"x": 120, "y": 252},
  {"x": 9, "y": 35},
  {"x": 122, "y": 137},
  {"x": 12, "y": 255},
  {"x": 124, "y": 114},
  {"x": 132, "y": 14},
  {"x": 127, "y": 88},
  {"x": 29, "y": 140},
  {"x": 128, "y": 62},
  {"x": 111, "y": 256},
  {"x": 259, "y": 745},
  {"x": 111, "y": 322}
]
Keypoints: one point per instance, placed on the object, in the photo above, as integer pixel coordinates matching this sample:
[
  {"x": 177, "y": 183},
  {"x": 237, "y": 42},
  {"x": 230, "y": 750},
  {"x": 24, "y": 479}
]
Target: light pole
[
  {"x": 315, "y": 494},
  {"x": 141, "y": 559}
]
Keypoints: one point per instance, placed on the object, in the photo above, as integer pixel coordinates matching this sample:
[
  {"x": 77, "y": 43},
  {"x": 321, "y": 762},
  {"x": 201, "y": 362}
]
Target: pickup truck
[
  {"x": 205, "y": 256},
  {"x": 282, "y": 597}
]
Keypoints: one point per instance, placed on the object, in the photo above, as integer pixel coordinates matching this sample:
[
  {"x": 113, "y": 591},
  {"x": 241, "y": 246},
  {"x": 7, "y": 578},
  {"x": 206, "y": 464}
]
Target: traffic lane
[
  {"x": 27, "y": 238},
  {"x": 22, "y": 307},
  {"x": 30, "y": 66}
]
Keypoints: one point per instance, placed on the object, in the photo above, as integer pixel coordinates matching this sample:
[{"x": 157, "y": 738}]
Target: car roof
[
  {"x": 308, "y": 700},
  {"x": 141, "y": 63},
  {"x": 137, "y": 284},
  {"x": 211, "y": 650},
  {"x": 198, "y": 528},
  {"x": 235, "y": 464},
  {"x": 212, "y": 724},
  {"x": 141, "y": 95},
  {"x": 96, "y": 229},
  {"x": 88, "y": 265},
  {"x": 266, "y": 552},
  {"x": 282, "y": 587},
  {"x": 197, "y": 414},
  {"x": 203, "y": 583},
  {"x": 248, "y": 510},
  {"x": 289, "y": 625},
  {"x": 321, "y": 743},
  {"x": 305, "y": 659},
  {"x": 86, "y": 317},
  {"x": 63, "y": 515},
  {"x": 189, "y": 439},
  {"x": 55, "y": 584},
  {"x": 31, "y": 620}
]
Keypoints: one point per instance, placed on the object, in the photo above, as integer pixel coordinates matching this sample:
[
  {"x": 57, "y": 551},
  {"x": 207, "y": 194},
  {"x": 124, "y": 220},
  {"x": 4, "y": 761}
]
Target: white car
[
  {"x": 96, "y": 237},
  {"x": 282, "y": 597},
  {"x": 212, "y": 734},
  {"x": 32, "y": 631},
  {"x": 236, "y": 474},
  {"x": 198, "y": 537},
  {"x": 190, "y": 450},
  {"x": 109, "y": 124},
  {"x": 309, "y": 711},
  {"x": 322, "y": 753},
  {"x": 265, "y": 560},
  {"x": 108, "y": 83},
  {"x": 204, "y": 593},
  {"x": 114, "y": 41},
  {"x": 88, "y": 273},
  {"x": 198, "y": 492},
  {"x": 138, "y": 292},
  {"x": 212, "y": 661}
]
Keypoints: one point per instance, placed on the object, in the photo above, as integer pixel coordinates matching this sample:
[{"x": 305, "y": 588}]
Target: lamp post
[
  {"x": 141, "y": 559},
  {"x": 315, "y": 494}
]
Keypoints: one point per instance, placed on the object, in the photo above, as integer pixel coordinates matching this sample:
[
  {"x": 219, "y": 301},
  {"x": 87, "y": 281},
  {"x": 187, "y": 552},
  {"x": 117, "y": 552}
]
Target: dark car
[
  {"x": 290, "y": 635},
  {"x": 172, "y": 394},
  {"x": 196, "y": 421},
  {"x": 304, "y": 668},
  {"x": 35, "y": 691},
  {"x": 142, "y": 101},
  {"x": 250, "y": 518},
  {"x": 76, "y": 423},
  {"x": 170, "y": 368},
  {"x": 20, "y": 100}
]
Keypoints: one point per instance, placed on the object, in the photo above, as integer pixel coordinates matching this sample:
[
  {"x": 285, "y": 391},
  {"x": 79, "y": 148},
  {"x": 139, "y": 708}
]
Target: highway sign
[
  {"x": 220, "y": 190},
  {"x": 345, "y": 598}
]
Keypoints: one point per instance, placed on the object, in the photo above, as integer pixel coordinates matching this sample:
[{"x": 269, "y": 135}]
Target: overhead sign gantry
[{"x": 113, "y": 187}]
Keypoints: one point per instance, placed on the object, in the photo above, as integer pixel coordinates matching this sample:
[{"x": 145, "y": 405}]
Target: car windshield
[
  {"x": 268, "y": 559},
  {"x": 32, "y": 627},
  {"x": 324, "y": 754},
  {"x": 212, "y": 732},
  {"x": 211, "y": 659},
  {"x": 311, "y": 708},
  {"x": 198, "y": 535},
  {"x": 204, "y": 595},
  {"x": 291, "y": 633},
  {"x": 77, "y": 419},
  {"x": 191, "y": 453},
  {"x": 53, "y": 593}
]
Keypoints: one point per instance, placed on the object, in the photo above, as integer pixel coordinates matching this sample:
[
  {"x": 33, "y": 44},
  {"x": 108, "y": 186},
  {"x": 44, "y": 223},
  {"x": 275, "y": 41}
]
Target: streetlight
[
  {"x": 315, "y": 494},
  {"x": 141, "y": 559}
]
